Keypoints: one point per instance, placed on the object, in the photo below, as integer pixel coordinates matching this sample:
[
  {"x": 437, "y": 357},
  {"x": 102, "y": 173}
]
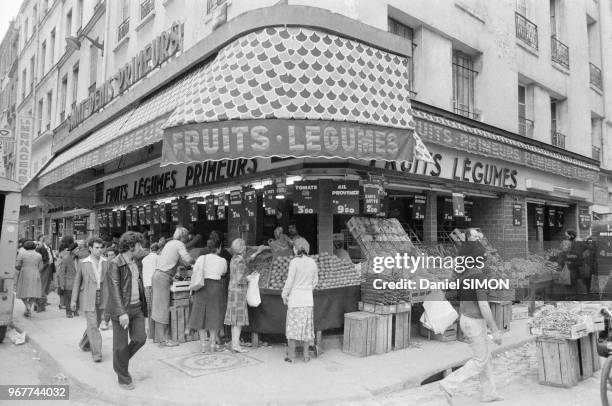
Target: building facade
[{"x": 510, "y": 99}]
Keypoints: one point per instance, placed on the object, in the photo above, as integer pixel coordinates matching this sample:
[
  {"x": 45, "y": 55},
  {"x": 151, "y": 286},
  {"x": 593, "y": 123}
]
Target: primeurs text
[{"x": 459, "y": 264}]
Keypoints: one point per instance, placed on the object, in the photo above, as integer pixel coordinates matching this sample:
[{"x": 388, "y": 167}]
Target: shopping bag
[
  {"x": 439, "y": 315},
  {"x": 253, "y": 297},
  {"x": 565, "y": 277},
  {"x": 197, "y": 275}
]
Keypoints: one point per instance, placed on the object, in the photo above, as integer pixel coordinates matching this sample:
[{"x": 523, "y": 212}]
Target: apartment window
[
  {"x": 63, "y": 93},
  {"x": 595, "y": 76},
  {"x": 93, "y": 66},
  {"x": 526, "y": 30},
  {"x": 26, "y": 34},
  {"x": 52, "y": 48},
  {"x": 69, "y": 24},
  {"x": 557, "y": 138},
  {"x": 49, "y": 107},
  {"x": 45, "y": 6},
  {"x": 213, "y": 4},
  {"x": 553, "y": 18},
  {"x": 24, "y": 81},
  {"x": 34, "y": 16},
  {"x": 75, "y": 82},
  {"x": 406, "y": 32},
  {"x": 525, "y": 124},
  {"x": 43, "y": 56},
  {"x": 79, "y": 14},
  {"x": 124, "y": 27},
  {"x": 596, "y": 135},
  {"x": 32, "y": 73},
  {"x": 464, "y": 77},
  {"x": 146, "y": 8},
  {"x": 39, "y": 116}
]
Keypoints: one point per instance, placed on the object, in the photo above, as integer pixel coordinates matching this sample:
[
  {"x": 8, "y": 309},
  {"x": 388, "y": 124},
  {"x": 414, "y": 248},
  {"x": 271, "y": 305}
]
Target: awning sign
[
  {"x": 24, "y": 148},
  {"x": 285, "y": 138}
]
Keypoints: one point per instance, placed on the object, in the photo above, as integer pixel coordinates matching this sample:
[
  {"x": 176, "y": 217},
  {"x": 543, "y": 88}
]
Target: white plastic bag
[
  {"x": 439, "y": 315},
  {"x": 253, "y": 297}
]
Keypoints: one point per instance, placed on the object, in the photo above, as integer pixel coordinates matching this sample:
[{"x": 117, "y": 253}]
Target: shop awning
[
  {"x": 134, "y": 129},
  {"x": 294, "y": 92}
]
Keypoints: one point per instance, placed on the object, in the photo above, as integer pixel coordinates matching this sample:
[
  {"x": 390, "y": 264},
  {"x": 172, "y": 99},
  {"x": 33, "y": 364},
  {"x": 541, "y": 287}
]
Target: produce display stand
[{"x": 330, "y": 305}]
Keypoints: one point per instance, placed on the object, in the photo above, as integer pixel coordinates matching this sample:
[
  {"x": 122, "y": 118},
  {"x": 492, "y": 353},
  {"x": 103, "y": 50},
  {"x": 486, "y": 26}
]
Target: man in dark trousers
[
  {"x": 46, "y": 274},
  {"x": 126, "y": 305}
]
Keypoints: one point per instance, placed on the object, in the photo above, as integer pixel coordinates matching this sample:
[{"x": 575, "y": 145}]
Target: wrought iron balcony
[
  {"x": 557, "y": 139},
  {"x": 595, "y": 76},
  {"x": 466, "y": 111},
  {"x": 123, "y": 29},
  {"x": 526, "y": 31},
  {"x": 146, "y": 7},
  {"x": 596, "y": 153},
  {"x": 559, "y": 52},
  {"x": 525, "y": 127}
]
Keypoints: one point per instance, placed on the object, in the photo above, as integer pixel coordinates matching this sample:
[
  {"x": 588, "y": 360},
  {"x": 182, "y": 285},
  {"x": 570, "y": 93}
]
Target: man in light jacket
[{"x": 88, "y": 286}]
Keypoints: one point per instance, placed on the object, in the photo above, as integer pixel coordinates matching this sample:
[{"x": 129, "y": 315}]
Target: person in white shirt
[
  {"x": 149, "y": 265},
  {"x": 208, "y": 308},
  {"x": 172, "y": 255},
  {"x": 303, "y": 276}
]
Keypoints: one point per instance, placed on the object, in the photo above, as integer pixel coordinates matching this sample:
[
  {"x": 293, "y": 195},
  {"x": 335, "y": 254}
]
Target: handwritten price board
[
  {"x": 221, "y": 208},
  {"x": 235, "y": 204},
  {"x": 373, "y": 194},
  {"x": 250, "y": 202},
  {"x": 269, "y": 198},
  {"x": 345, "y": 197},
  {"x": 305, "y": 197},
  {"x": 211, "y": 214}
]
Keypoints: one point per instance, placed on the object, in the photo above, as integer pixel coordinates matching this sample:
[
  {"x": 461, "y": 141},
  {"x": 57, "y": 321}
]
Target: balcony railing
[
  {"x": 466, "y": 111},
  {"x": 559, "y": 52},
  {"x": 525, "y": 127},
  {"x": 123, "y": 29},
  {"x": 146, "y": 7},
  {"x": 557, "y": 139},
  {"x": 526, "y": 31},
  {"x": 596, "y": 153},
  {"x": 595, "y": 76}
]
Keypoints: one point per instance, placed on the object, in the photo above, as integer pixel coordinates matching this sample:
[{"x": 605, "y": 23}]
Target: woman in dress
[
  {"x": 208, "y": 306},
  {"x": 236, "y": 314},
  {"x": 303, "y": 276},
  {"x": 29, "y": 264}
]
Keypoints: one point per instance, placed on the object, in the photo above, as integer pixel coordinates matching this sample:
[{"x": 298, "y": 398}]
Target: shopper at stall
[
  {"x": 171, "y": 257},
  {"x": 46, "y": 275},
  {"x": 28, "y": 287},
  {"x": 208, "y": 310},
  {"x": 236, "y": 314},
  {"x": 297, "y": 295},
  {"x": 149, "y": 265},
  {"x": 126, "y": 305},
  {"x": 281, "y": 244},
  {"x": 66, "y": 273},
  {"x": 224, "y": 332},
  {"x": 87, "y": 289},
  {"x": 475, "y": 317}
]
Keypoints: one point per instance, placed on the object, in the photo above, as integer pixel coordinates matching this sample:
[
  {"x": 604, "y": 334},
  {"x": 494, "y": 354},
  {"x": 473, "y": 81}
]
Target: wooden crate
[
  {"x": 565, "y": 362},
  {"x": 383, "y": 338},
  {"x": 502, "y": 313},
  {"x": 384, "y": 309},
  {"x": 449, "y": 335},
  {"x": 179, "y": 317},
  {"x": 401, "y": 330},
  {"x": 359, "y": 333},
  {"x": 520, "y": 312}
]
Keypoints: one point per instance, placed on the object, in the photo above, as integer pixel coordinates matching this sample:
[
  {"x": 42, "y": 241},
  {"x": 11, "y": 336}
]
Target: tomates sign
[{"x": 305, "y": 197}]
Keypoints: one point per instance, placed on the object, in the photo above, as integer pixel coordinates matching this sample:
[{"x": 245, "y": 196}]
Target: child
[{"x": 297, "y": 295}]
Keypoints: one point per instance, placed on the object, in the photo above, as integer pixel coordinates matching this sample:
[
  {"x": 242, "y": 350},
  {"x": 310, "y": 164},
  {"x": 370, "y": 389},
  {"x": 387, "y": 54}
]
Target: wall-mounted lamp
[{"x": 75, "y": 43}]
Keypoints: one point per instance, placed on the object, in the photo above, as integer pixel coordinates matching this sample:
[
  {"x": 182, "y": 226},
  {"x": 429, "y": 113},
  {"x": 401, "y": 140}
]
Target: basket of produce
[{"x": 557, "y": 322}]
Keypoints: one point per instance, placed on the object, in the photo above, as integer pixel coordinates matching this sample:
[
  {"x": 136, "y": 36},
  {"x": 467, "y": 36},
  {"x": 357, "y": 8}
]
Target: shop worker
[
  {"x": 292, "y": 231},
  {"x": 281, "y": 244},
  {"x": 88, "y": 285},
  {"x": 126, "y": 305},
  {"x": 302, "y": 278},
  {"x": 475, "y": 317},
  {"x": 173, "y": 253}
]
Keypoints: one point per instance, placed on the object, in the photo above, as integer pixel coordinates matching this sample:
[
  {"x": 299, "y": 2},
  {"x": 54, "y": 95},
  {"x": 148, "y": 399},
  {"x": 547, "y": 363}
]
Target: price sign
[
  {"x": 250, "y": 202},
  {"x": 193, "y": 210},
  {"x": 141, "y": 215},
  {"x": 109, "y": 219},
  {"x": 559, "y": 219},
  {"x": 211, "y": 214},
  {"x": 305, "y": 197},
  {"x": 418, "y": 207},
  {"x": 163, "y": 213},
  {"x": 552, "y": 214},
  {"x": 584, "y": 218},
  {"x": 469, "y": 207},
  {"x": 174, "y": 209},
  {"x": 269, "y": 199},
  {"x": 235, "y": 204},
  {"x": 155, "y": 213},
  {"x": 281, "y": 187},
  {"x": 54, "y": 226},
  {"x": 517, "y": 215},
  {"x": 128, "y": 217},
  {"x": 102, "y": 221},
  {"x": 447, "y": 208},
  {"x": 345, "y": 197},
  {"x": 79, "y": 225},
  {"x": 539, "y": 216},
  {"x": 458, "y": 206},
  {"x": 221, "y": 208},
  {"x": 373, "y": 194},
  {"x": 148, "y": 214}
]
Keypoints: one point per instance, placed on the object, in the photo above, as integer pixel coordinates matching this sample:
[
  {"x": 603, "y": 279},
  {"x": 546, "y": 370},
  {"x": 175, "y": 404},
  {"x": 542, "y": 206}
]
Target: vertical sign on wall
[
  {"x": 584, "y": 218},
  {"x": 345, "y": 197},
  {"x": 23, "y": 149},
  {"x": 517, "y": 214},
  {"x": 539, "y": 216},
  {"x": 458, "y": 206}
]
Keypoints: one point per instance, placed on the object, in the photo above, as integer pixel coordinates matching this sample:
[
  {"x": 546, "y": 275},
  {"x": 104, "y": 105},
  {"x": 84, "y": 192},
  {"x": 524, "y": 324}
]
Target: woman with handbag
[{"x": 208, "y": 307}]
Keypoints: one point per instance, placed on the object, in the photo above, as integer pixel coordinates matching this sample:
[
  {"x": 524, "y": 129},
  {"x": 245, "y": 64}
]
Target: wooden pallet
[
  {"x": 502, "y": 313},
  {"x": 565, "y": 362}
]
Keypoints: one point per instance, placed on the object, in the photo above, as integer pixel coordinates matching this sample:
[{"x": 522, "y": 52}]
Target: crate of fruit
[{"x": 573, "y": 333}]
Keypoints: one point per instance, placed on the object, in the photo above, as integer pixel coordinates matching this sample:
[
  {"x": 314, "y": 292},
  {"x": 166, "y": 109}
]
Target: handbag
[
  {"x": 197, "y": 276},
  {"x": 252, "y": 296}
]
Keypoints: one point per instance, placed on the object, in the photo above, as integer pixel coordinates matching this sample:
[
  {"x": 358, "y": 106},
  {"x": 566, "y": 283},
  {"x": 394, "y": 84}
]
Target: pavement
[{"x": 181, "y": 375}]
